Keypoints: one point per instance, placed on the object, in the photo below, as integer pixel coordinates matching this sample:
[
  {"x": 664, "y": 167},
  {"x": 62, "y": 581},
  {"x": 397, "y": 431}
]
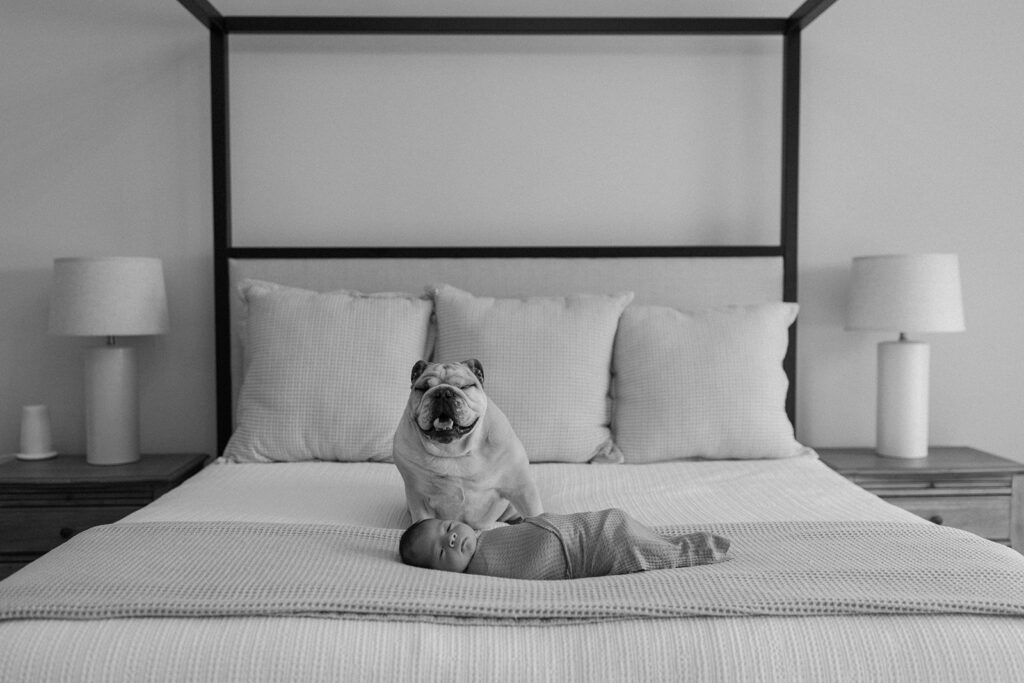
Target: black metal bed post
[
  {"x": 211, "y": 18},
  {"x": 221, "y": 144},
  {"x": 790, "y": 195},
  {"x": 789, "y": 236}
]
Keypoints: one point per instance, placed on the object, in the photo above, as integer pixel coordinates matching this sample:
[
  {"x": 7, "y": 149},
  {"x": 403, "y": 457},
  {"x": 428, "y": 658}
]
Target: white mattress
[{"x": 932, "y": 648}]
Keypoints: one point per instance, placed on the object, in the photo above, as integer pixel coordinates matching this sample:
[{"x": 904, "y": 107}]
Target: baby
[{"x": 551, "y": 546}]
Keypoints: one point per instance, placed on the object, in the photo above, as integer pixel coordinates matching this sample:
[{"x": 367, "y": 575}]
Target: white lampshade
[
  {"x": 108, "y": 296},
  {"x": 906, "y": 293}
]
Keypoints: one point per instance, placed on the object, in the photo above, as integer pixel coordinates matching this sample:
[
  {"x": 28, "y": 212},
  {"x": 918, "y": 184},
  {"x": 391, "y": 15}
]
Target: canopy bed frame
[{"x": 221, "y": 27}]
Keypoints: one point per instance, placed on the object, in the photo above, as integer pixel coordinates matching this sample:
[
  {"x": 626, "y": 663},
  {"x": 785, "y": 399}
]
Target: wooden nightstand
[
  {"x": 957, "y": 486},
  {"x": 45, "y": 502}
]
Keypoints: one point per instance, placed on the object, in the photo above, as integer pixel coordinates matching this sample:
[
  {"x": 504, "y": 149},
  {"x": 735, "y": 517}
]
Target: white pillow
[
  {"x": 703, "y": 384},
  {"x": 326, "y": 375},
  {"x": 546, "y": 361}
]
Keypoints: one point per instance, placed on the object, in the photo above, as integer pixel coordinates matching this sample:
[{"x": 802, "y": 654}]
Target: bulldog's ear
[
  {"x": 474, "y": 365},
  {"x": 418, "y": 369}
]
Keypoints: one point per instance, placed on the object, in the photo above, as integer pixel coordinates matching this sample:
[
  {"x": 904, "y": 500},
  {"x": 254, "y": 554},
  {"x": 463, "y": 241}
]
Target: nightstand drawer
[
  {"x": 37, "y": 530},
  {"x": 987, "y": 516}
]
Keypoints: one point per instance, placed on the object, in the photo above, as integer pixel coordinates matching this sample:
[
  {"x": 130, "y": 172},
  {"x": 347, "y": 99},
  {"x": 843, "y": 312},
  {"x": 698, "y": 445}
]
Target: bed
[
  {"x": 654, "y": 379},
  {"x": 720, "y": 495},
  {"x": 279, "y": 561}
]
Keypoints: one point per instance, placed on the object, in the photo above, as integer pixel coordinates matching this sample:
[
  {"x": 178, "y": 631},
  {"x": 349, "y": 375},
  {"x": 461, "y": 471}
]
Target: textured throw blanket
[{"x": 191, "y": 569}]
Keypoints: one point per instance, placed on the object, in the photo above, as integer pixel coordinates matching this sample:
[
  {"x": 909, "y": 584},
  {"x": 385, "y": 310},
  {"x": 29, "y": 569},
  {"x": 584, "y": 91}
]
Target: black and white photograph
[{"x": 470, "y": 340}]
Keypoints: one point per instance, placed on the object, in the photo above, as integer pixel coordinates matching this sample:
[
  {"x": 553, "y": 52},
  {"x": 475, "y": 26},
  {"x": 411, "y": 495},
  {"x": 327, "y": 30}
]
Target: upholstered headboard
[{"x": 679, "y": 282}]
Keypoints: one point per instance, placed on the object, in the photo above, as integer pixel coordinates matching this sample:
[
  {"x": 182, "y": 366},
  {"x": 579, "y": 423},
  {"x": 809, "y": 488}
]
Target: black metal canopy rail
[{"x": 220, "y": 26}]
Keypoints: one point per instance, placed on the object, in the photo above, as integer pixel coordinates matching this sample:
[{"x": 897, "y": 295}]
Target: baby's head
[{"x": 438, "y": 544}]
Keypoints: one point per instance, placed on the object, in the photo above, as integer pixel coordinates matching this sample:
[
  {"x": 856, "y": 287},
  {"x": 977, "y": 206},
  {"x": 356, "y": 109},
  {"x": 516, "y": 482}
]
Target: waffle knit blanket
[{"x": 197, "y": 569}]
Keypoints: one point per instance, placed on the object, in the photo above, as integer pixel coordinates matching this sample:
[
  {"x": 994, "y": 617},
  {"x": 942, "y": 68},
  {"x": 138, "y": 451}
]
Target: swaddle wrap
[{"x": 586, "y": 544}]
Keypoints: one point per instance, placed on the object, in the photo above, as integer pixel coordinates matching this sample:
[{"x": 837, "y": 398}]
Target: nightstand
[
  {"x": 45, "y": 502},
  {"x": 957, "y": 486}
]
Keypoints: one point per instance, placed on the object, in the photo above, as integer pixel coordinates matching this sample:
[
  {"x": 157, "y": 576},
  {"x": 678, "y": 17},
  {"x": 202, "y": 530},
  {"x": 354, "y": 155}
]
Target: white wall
[
  {"x": 104, "y": 150},
  {"x": 911, "y": 142},
  {"x": 505, "y": 140}
]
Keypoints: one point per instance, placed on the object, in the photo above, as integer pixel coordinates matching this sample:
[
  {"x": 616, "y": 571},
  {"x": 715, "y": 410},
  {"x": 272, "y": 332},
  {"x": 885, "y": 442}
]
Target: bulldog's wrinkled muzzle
[{"x": 444, "y": 416}]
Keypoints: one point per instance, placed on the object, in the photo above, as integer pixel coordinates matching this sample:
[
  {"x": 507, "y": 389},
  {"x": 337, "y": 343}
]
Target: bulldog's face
[{"x": 447, "y": 400}]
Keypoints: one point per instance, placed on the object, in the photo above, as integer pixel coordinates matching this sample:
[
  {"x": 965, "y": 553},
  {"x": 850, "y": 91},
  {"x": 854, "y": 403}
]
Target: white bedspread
[{"x": 868, "y": 648}]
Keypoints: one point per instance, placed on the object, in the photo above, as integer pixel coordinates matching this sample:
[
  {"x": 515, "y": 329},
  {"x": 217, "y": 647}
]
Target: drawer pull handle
[
  {"x": 935, "y": 519},
  {"x": 66, "y": 532}
]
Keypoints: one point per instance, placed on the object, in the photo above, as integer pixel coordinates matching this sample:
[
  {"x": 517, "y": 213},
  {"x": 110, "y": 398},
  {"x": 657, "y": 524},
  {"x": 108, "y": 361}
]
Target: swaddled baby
[{"x": 551, "y": 546}]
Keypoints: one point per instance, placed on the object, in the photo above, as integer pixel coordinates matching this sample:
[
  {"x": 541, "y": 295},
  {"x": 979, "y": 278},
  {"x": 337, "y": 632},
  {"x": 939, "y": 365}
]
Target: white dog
[{"x": 457, "y": 452}]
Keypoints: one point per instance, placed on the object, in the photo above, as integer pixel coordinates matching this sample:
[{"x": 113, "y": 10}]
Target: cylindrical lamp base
[
  {"x": 111, "y": 406},
  {"x": 903, "y": 399}
]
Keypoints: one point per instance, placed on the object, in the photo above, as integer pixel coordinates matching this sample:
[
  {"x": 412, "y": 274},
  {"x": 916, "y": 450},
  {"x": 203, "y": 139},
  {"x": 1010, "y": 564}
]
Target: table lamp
[
  {"x": 904, "y": 293},
  {"x": 109, "y": 297}
]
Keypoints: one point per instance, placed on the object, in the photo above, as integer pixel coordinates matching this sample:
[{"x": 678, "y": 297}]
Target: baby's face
[{"x": 444, "y": 544}]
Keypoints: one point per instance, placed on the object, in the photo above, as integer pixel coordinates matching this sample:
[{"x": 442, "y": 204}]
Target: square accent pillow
[
  {"x": 326, "y": 374},
  {"x": 546, "y": 361},
  {"x": 703, "y": 384}
]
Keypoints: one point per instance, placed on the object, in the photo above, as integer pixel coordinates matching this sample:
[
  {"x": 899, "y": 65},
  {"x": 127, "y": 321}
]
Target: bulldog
[{"x": 457, "y": 452}]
